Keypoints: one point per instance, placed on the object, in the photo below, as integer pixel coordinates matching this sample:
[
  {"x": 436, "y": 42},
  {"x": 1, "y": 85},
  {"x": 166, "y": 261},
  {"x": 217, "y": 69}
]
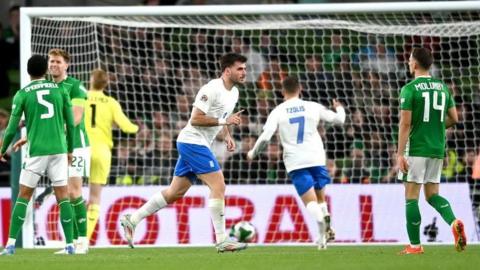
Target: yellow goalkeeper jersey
[{"x": 101, "y": 113}]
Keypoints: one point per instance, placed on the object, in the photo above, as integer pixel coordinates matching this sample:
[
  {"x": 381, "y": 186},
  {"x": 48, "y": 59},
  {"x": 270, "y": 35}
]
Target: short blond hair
[
  {"x": 60, "y": 52},
  {"x": 99, "y": 79}
]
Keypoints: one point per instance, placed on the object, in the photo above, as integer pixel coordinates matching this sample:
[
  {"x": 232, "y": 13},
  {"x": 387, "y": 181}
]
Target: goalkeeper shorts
[{"x": 101, "y": 161}]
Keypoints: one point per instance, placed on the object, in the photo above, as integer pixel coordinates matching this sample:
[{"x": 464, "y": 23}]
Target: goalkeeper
[{"x": 101, "y": 113}]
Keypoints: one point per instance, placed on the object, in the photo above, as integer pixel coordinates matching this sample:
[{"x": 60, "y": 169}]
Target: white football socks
[
  {"x": 154, "y": 204},
  {"x": 316, "y": 212},
  {"x": 324, "y": 208},
  {"x": 217, "y": 209}
]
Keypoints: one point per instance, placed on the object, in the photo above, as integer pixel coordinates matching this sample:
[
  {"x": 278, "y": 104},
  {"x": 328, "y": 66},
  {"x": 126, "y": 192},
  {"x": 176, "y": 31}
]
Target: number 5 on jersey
[{"x": 42, "y": 101}]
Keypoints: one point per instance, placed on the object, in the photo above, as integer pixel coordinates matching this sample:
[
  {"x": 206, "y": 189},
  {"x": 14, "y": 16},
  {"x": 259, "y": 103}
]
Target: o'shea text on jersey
[
  {"x": 428, "y": 86},
  {"x": 295, "y": 109}
]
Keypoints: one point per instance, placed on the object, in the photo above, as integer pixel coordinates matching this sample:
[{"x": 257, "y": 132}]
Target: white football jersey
[
  {"x": 297, "y": 121},
  {"x": 215, "y": 101}
]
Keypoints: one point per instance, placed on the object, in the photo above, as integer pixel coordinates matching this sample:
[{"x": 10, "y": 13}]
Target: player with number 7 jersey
[{"x": 303, "y": 154}]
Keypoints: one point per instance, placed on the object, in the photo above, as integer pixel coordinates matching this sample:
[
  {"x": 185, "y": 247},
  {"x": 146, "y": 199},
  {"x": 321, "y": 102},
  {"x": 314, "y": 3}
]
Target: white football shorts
[
  {"x": 53, "y": 166},
  {"x": 422, "y": 170},
  {"x": 80, "y": 163}
]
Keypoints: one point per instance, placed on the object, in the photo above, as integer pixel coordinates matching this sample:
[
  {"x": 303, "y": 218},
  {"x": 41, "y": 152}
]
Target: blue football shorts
[
  {"x": 303, "y": 179},
  {"x": 194, "y": 159}
]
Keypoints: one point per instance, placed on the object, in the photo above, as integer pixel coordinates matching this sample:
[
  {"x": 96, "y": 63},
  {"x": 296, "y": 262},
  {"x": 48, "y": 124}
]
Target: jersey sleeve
[
  {"x": 78, "y": 94},
  {"x": 69, "y": 122},
  {"x": 327, "y": 115},
  {"x": 17, "y": 110},
  {"x": 204, "y": 99},
  {"x": 17, "y": 105},
  {"x": 121, "y": 119},
  {"x": 268, "y": 130},
  {"x": 406, "y": 99},
  {"x": 271, "y": 124}
]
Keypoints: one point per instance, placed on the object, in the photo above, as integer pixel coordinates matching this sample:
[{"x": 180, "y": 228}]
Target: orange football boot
[
  {"x": 458, "y": 230},
  {"x": 411, "y": 250}
]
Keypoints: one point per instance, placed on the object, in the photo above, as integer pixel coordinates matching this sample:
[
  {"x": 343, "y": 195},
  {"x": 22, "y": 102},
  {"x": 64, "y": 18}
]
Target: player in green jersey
[
  {"x": 47, "y": 110},
  {"x": 58, "y": 62},
  {"x": 427, "y": 109}
]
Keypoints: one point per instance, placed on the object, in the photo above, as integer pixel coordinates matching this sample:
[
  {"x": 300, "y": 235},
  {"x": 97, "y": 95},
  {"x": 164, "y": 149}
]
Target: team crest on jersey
[{"x": 204, "y": 98}]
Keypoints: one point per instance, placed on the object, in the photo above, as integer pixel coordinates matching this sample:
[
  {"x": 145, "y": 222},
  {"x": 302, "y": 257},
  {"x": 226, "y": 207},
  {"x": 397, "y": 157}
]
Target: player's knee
[
  {"x": 218, "y": 190},
  {"x": 24, "y": 194},
  {"x": 172, "y": 196},
  {"x": 61, "y": 192},
  {"x": 74, "y": 192}
]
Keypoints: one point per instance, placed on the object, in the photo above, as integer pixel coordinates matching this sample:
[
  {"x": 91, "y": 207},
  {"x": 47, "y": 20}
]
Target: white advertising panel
[{"x": 360, "y": 214}]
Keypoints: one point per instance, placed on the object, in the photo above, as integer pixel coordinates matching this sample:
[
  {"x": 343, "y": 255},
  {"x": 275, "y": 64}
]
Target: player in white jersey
[
  {"x": 303, "y": 153},
  {"x": 211, "y": 113}
]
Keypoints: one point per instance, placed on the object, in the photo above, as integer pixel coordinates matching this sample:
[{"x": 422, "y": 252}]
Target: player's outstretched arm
[
  {"x": 337, "y": 117},
  {"x": 260, "y": 144},
  {"x": 452, "y": 117},
  {"x": 264, "y": 138},
  {"x": 122, "y": 120}
]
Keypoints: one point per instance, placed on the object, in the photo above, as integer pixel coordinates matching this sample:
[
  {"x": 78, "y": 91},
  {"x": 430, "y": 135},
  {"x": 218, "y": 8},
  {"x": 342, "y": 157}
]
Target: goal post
[{"x": 158, "y": 58}]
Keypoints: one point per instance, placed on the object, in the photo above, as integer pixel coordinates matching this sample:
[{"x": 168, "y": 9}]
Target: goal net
[{"x": 157, "y": 63}]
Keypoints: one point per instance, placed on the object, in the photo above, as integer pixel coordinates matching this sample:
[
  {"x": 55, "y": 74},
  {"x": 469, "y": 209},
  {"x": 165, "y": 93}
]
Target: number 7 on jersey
[{"x": 301, "y": 127}]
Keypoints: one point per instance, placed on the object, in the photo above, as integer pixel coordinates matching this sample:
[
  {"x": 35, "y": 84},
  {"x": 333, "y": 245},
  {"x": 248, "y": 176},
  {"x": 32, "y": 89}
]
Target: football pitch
[{"x": 257, "y": 257}]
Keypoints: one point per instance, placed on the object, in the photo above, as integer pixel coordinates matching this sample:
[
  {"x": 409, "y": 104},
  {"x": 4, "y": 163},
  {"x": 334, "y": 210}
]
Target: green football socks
[
  {"x": 443, "y": 208},
  {"x": 413, "y": 221},
  {"x": 66, "y": 218},
  {"x": 80, "y": 211},
  {"x": 18, "y": 217}
]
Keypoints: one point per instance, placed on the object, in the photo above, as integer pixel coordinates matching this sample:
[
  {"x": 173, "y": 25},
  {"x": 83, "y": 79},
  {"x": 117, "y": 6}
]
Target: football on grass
[{"x": 243, "y": 231}]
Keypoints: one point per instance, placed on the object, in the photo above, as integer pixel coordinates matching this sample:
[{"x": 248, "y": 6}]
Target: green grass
[{"x": 275, "y": 258}]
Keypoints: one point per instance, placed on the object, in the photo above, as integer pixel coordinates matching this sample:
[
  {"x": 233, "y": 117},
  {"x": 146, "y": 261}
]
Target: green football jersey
[
  {"x": 76, "y": 90},
  {"x": 429, "y": 100},
  {"x": 47, "y": 109}
]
